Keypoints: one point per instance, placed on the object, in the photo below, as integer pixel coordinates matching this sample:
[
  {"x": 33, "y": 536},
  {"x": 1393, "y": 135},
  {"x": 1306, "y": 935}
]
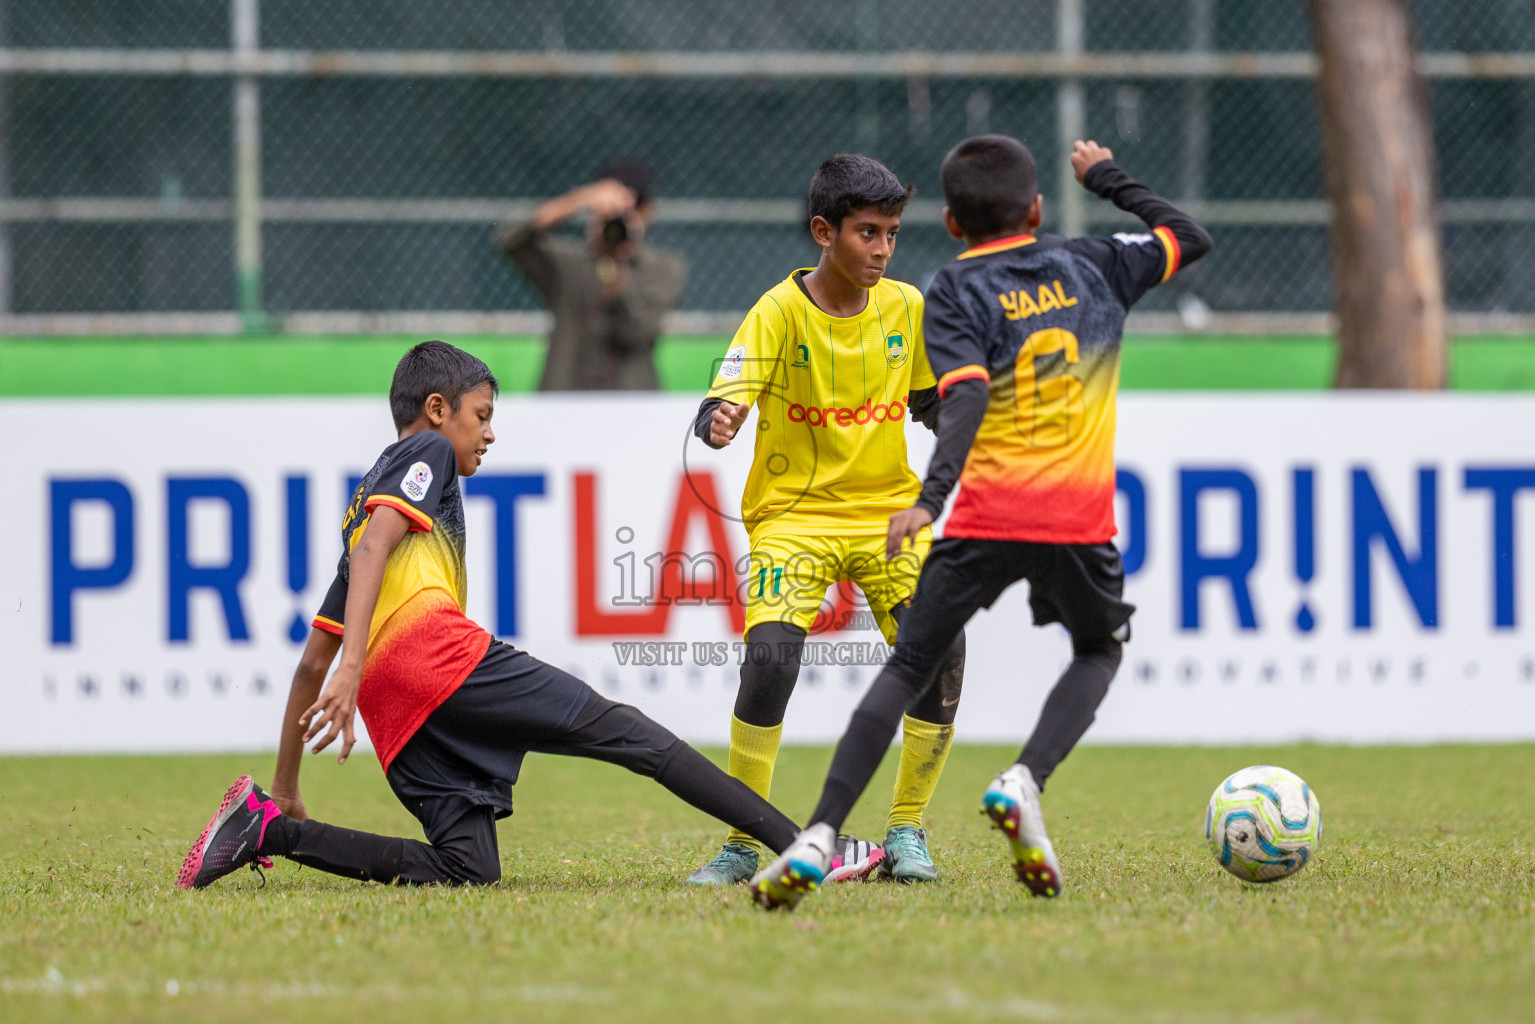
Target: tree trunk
[{"x": 1382, "y": 180}]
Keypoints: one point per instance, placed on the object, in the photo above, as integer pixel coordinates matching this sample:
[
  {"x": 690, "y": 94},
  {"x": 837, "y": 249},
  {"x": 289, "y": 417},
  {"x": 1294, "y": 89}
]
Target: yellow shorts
[{"x": 790, "y": 575}]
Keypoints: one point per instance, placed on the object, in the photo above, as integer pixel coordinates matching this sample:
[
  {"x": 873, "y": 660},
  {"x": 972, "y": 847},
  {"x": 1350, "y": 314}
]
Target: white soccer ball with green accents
[{"x": 1264, "y": 824}]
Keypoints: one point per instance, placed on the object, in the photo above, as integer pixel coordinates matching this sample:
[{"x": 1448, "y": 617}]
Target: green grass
[
  {"x": 1421, "y": 906},
  {"x": 318, "y": 365}
]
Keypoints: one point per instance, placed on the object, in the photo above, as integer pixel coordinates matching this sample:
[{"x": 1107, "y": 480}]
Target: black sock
[
  {"x": 1070, "y": 708},
  {"x": 700, "y": 782},
  {"x": 768, "y": 672},
  {"x": 864, "y": 744},
  {"x": 940, "y": 703},
  {"x": 338, "y": 851}
]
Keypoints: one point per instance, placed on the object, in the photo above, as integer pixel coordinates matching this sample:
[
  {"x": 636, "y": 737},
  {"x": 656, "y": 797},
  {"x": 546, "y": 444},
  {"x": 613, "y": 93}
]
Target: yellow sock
[
  {"x": 924, "y": 749},
  {"x": 753, "y": 751}
]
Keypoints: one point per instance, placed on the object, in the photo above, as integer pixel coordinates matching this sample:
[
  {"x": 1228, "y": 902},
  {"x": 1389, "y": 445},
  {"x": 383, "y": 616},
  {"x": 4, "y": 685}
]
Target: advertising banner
[{"x": 1338, "y": 568}]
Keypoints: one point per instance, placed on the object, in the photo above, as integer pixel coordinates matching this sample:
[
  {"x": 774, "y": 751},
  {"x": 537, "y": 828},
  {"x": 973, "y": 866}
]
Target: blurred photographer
[{"x": 609, "y": 292}]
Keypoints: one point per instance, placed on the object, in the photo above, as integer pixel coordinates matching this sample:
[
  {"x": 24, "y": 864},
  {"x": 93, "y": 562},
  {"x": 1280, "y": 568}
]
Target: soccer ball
[{"x": 1264, "y": 824}]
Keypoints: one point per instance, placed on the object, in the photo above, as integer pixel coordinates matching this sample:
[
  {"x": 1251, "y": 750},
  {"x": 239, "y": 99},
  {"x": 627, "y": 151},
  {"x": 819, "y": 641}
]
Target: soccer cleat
[
  {"x": 734, "y": 863},
  {"x": 906, "y": 856},
  {"x": 797, "y": 871},
  {"x": 232, "y": 837},
  {"x": 1012, "y": 804},
  {"x": 855, "y": 860}
]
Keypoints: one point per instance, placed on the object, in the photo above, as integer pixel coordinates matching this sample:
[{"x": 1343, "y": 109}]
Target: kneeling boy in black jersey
[{"x": 451, "y": 711}]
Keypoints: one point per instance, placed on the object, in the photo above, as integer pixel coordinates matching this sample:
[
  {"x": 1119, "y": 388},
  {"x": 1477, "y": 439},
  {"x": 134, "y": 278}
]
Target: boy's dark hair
[
  {"x": 435, "y": 368},
  {"x": 636, "y": 177},
  {"x": 989, "y": 183},
  {"x": 848, "y": 182}
]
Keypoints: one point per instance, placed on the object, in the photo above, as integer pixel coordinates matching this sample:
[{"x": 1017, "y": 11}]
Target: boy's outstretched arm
[
  {"x": 313, "y": 666},
  {"x": 336, "y": 707},
  {"x": 1096, "y": 170},
  {"x": 960, "y": 413}
]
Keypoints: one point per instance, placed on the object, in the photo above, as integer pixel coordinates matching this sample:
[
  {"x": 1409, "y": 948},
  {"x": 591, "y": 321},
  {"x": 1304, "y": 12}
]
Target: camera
[{"x": 615, "y": 231}]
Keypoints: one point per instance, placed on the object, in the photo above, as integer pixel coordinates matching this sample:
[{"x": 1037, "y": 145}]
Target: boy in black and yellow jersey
[
  {"x": 451, "y": 710},
  {"x": 1024, "y": 332},
  {"x": 833, "y": 360}
]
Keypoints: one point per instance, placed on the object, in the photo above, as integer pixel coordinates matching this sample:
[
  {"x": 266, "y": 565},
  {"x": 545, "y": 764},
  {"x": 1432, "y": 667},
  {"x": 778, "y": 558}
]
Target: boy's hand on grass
[
  {"x": 904, "y": 526},
  {"x": 290, "y": 804},
  {"x": 727, "y": 419},
  {"x": 334, "y": 712},
  {"x": 1086, "y": 154}
]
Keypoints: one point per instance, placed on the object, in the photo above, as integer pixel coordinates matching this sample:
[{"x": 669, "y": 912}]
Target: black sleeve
[
  {"x": 413, "y": 481},
  {"x": 701, "y": 421},
  {"x": 1132, "y": 263},
  {"x": 332, "y": 614},
  {"x": 924, "y": 406},
  {"x": 960, "y": 415},
  {"x": 1109, "y": 181}
]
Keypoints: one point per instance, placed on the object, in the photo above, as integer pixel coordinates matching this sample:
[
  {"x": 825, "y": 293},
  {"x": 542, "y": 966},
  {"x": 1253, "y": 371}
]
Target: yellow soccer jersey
[{"x": 831, "y": 396}]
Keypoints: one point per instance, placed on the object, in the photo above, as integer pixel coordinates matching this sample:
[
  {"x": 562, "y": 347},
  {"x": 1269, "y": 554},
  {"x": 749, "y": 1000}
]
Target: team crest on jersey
[
  {"x": 895, "y": 351},
  {"x": 802, "y": 362},
  {"x": 416, "y": 481},
  {"x": 730, "y": 369}
]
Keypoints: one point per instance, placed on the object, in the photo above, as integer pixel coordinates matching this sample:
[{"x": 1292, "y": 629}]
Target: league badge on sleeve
[
  {"x": 730, "y": 369},
  {"x": 417, "y": 480}
]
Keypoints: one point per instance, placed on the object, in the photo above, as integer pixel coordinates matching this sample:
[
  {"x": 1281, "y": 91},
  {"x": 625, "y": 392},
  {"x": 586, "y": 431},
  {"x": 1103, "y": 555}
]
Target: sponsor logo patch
[
  {"x": 416, "y": 481},
  {"x": 730, "y": 369},
  {"x": 1133, "y": 238},
  {"x": 856, "y": 416}
]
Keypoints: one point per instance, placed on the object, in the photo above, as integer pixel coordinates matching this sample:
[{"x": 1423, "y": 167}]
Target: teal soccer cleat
[
  {"x": 734, "y": 863},
  {"x": 906, "y": 856}
]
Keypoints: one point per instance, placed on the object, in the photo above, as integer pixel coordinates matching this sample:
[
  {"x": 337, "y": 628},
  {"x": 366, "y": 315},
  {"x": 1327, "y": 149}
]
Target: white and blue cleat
[
  {"x": 798, "y": 871},
  {"x": 1012, "y": 804}
]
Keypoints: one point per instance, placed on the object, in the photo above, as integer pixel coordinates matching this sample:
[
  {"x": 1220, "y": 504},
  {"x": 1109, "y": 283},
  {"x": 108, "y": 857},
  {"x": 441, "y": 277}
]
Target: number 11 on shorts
[{"x": 762, "y": 581}]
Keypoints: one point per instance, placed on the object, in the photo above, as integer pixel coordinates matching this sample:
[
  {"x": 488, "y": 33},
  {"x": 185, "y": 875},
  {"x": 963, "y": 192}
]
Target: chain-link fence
[{"x": 288, "y": 158}]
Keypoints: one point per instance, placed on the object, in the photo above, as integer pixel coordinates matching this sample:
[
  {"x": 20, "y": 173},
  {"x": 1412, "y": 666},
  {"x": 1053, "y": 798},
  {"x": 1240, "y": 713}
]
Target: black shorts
[
  {"x": 469, "y": 750},
  {"x": 1080, "y": 586}
]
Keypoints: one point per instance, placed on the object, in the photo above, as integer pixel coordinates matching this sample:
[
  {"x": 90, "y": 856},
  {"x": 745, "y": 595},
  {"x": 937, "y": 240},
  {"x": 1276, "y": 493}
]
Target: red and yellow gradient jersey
[
  {"x": 832, "y": 395},
  {"x": 1041, "y": 320},
  {"x": 421, "y": 645}
]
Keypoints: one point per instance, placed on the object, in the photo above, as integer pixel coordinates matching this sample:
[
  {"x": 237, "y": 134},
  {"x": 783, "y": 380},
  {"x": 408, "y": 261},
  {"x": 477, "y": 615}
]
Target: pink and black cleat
[
  {"x": 855, "y": 860},
  {"x": 232, "y": 837}
]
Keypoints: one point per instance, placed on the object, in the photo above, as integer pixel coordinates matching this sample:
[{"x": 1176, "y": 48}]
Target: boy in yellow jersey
[{"x": 833, "y": 360}]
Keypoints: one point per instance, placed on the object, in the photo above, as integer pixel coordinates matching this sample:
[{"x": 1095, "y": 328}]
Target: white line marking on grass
[{"x": 52, "y": 982}]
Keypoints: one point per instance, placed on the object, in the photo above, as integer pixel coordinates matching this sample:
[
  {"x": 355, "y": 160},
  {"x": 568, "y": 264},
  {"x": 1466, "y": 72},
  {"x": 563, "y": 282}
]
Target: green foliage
[{"x": 1421, "y": 906}]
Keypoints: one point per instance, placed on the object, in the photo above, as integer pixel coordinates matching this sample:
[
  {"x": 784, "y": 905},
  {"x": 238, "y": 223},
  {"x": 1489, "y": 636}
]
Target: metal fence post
[
  {"x": 1070, "y": 118},
  {"x": 1196, "y": 131},
  {"x": 245, "y": 25},
  {"x": 5, "y": 169}
]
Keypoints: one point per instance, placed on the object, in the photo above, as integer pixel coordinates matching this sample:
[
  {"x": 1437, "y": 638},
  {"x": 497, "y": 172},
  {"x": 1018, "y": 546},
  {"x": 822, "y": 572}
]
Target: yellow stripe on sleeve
[
  {"x": 1173, "y": 249},
  {"x": 971, "y": 372},
  {"x": 421, "y": 522}
]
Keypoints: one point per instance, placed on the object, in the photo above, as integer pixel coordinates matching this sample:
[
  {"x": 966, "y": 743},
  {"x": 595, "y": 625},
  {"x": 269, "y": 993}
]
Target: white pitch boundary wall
[{"x": 154, "y": 555}]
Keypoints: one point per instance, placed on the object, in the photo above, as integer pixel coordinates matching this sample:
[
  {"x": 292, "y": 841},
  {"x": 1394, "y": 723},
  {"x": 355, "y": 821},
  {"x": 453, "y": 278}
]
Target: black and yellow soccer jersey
[
  {"x": 832, "y": 395},
  {"x": 421, "y": 645},
  {"x": 1040, "y": 321}
]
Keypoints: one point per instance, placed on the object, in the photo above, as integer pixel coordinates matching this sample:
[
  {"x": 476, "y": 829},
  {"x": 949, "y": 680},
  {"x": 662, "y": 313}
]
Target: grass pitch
[{"x": 1421, "y": 906}]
